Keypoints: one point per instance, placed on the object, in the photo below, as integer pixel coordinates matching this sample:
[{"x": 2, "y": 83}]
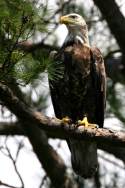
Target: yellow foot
[
  {"x": 86, "y": 124},
  {"x": 66, "y": 120}
]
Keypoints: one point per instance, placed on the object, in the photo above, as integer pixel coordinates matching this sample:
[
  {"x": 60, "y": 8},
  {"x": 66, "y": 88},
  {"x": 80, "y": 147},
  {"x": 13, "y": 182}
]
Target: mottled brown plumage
[{"x": 80, "y": 91}]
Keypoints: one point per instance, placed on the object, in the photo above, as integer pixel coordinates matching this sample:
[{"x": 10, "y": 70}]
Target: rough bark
[{"x": 11, "y": 128}]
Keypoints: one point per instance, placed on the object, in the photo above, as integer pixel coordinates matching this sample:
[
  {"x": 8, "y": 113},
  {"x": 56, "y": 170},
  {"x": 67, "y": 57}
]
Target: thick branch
[
  {"x": 45, "y": 153},
  {"x": 31, "y": 122},
  {"x": 14, "y": 128},
  {"x": 102, "y": 135},
  {"x": 10, "y": 128},
  {"x": 27, "y": 115},
  {"x": 31, "y": 47}
]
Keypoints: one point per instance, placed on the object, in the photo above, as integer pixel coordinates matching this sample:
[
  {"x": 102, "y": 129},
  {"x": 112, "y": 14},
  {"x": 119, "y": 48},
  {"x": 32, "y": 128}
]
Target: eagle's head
[
  {"x": 76, "y": 26},
  {"x": 73, "y": 20}
]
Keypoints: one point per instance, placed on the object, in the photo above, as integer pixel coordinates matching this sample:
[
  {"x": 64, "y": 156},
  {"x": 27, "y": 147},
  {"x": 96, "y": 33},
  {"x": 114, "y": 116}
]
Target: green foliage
[
  {"x": 55, "y": 71},
  {"x": 18, "y": 18},
  {"x": 19, "y": 21},
  {"x": 27, "y": 69}
]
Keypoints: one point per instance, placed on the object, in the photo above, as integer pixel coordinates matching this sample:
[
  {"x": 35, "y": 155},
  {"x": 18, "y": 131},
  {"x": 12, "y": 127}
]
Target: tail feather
[{"x": 83, "y": 157}]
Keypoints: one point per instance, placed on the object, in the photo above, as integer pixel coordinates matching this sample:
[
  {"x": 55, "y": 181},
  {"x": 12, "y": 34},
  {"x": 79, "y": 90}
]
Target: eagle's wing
[
  {"x": 56, "y": 59},
  {"x": 99, "y": 76}
]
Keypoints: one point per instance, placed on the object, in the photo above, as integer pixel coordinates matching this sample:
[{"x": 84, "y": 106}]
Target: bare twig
[
  {"x": 20, "y": 146},
  {"x": 14, "y": 163},
  {"x": 43, "y": 181},
  {"x": 7, "y": 185},
  {"x": 111, "y": 161}
]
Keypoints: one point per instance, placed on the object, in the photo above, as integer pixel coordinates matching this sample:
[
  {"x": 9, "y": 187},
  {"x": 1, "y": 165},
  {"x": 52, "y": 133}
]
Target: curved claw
[{"x": 86, "y": 124}]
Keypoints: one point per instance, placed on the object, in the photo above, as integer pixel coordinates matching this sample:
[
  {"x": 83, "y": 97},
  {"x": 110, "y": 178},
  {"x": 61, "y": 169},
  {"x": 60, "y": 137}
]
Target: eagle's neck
[{"x": 77, "y": 36}]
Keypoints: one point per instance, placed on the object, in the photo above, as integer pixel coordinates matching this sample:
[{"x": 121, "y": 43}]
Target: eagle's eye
[{"x": 73, "y": 16}]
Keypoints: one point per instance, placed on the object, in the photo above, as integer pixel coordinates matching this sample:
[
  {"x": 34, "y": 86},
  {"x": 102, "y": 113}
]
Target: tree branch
[
  {"x": 27, "y": 115},
  {"x": 14, "y": 128},
  {"x": 45, "y": 153},
  {"x": 14, "y": 165},
  {"x": 115, "y": 20},
  {"x": 7, "y": 185},
  {"x": 11, "y": 128},
  {"x": 31, "y": 47},
  {"x": 32, "y": 122}
]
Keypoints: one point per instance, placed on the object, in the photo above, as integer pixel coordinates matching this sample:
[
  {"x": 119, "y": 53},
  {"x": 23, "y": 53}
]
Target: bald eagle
[{"x": 80, "y": 91}]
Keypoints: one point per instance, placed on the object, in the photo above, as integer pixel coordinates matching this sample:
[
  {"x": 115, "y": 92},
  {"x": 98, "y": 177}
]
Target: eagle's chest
[
  {"x": 77, "y": 90},
  {"x": 76, "y": 84},
  {"x": 77, "y": 78}
]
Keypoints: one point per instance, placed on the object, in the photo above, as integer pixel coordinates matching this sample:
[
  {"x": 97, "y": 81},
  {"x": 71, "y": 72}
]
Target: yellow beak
[{"x": 65, "y": 20}]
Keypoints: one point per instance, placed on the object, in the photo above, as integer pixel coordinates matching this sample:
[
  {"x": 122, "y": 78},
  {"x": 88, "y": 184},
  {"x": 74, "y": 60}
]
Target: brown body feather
[{"x": 80, "y": 91}]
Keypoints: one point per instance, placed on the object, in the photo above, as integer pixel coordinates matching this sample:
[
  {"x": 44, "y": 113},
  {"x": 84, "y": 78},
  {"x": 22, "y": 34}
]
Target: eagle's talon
[
  {"x": 86, "y": 124},
  {"x": 66, "y": 120}
]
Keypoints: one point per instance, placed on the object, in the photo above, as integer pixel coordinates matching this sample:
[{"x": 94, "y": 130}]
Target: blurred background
[{"x": 29, "y": 31}]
